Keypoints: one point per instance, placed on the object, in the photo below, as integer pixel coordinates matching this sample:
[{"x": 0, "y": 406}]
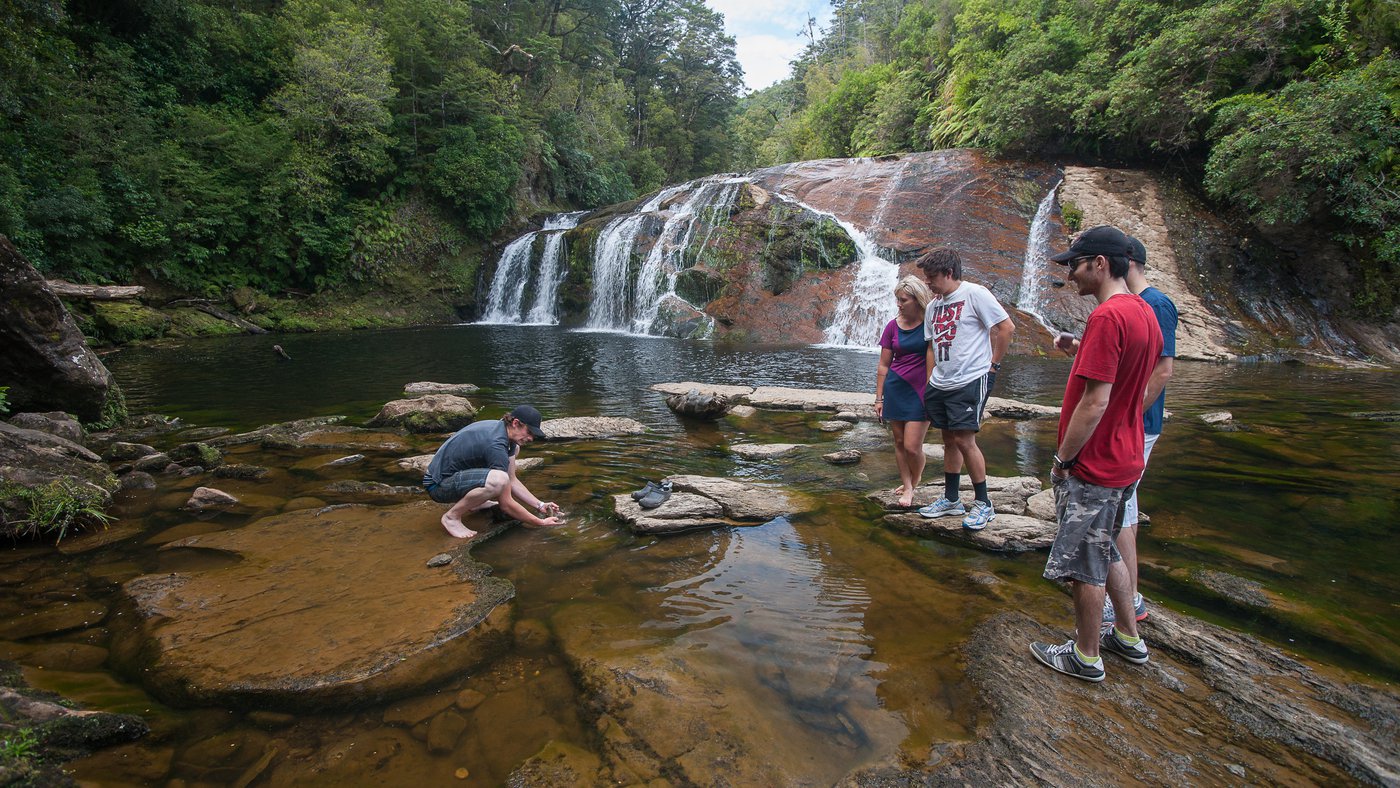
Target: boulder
[
  {"x": 30, "y": 459},
  {"x": 459, "y": 389},
  {"x": 741, "y": 500},
  {"x": 337, "y": 439},
  {"x": 208, "y": 498},
  {"x": 54, "y": 423},
  {"x": 154, "y": 463},
  {"x": 121, "y": 451},
  {"x": 137, "y": 480},
  {"x": 417, "y": 464},
  {"x": 283, "y": 429},
  {"x": 1006, "y": 533},
  {"x": 681, "y": 512},
  {"x": 240, "y": 471},
  {"x": 676, "y": 318},
  {"x": 742, "y": 411},
  {"x": 427, "y": 413},
  {"x": 196, "y": 453},
  {"x": 1042, "y": 506},
  {"x": 764, "y": 451},
  {"x": 46, "y": 363},
  {"x": 311, "y": 614},
  {"x": 835, "y": 425},
  {"x": 708, "y": 502},
  {"x": 696, "y": 405},
  {"x": 1217, "y": 417},
  {"x": 934, "y": 453},
  {"x": 843, "y": 457},
  {"x": 588, "y": 427},
  {"x": 1020, "y": 411}
]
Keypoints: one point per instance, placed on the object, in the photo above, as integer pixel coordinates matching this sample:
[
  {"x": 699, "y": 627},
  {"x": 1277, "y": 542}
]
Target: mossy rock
[
  {"x": 122, "y": 322},
  {"x": 699, "y": 286},
  {"x": 201, "y": 454},
  {"x": 187, "y": 322}
]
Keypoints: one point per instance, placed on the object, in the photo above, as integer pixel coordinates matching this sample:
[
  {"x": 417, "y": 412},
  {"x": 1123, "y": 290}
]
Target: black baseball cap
[
  {"x": 1104, "y": 239},
  {"x": 1139, "y": 252},
  {"x": 529, "y": 417}
]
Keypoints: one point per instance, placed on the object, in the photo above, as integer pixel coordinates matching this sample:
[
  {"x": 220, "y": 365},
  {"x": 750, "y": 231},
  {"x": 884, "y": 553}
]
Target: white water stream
[{"x": 1032, "y": 296}]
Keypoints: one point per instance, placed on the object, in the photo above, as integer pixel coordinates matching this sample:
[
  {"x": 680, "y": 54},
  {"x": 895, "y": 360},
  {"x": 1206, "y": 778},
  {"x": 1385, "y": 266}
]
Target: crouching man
[{"x": 475, "y": 469}]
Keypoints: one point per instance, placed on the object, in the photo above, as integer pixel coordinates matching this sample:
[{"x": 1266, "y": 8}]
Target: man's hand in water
[
  {"x": 549, "y": 521},
  {"x": 549, "y": 507}
]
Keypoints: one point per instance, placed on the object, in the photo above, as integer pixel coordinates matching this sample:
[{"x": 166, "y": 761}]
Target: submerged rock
[
  {"x": 59, "y": 731},
  {"x": 1209, "y": 704},
  {"x": 765, "y": 451},
  {"x": 427, "y": 413},
  {"x": 843, "y": 457},
  {"x": 206, "y": 498},
  {"x": 312, "y": 614},
  {"x": 586, "y": 427}
]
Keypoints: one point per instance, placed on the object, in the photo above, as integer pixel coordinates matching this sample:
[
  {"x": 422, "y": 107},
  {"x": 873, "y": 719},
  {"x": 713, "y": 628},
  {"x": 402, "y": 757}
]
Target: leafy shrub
[
  {"x": 4, "y": 399},
  {"x": 1072, "y": 216}
]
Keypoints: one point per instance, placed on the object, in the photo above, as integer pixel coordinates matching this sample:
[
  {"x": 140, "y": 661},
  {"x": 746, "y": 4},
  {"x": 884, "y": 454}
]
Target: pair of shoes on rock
[
  {"x": 1139, "y": 609},
  {"x": 1063, "y": 658},
  {"x": 652, "y": 495}
]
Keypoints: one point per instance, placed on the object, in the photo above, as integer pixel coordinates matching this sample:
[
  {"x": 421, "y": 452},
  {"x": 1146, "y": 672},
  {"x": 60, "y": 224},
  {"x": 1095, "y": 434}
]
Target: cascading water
[
  {"x": 612, "y": 256},
  {"x": 1032, "y": 296},
  {"x": 552, "y": 271},
  {"x": 667, "y": 256},
  {"x": 508, "y": 286}
]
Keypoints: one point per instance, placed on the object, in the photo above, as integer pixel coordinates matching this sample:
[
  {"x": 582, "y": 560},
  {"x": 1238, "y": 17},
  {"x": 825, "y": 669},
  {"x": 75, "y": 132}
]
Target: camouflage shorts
[{"x": 1090, "y": 517}]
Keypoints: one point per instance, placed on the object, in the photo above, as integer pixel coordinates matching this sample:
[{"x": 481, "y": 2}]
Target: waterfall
[
  {"x": 1032, "y": 296},
  {"x": 666, "y": 257},
  {"x": 508, "y": 286},
  {"x": 552, "y": 271},
  {"x": 615, "y": 305}
]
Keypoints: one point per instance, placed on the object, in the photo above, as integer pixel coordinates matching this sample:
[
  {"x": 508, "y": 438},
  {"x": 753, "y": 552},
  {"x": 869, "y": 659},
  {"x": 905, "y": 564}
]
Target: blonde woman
[{"x": 899, "y": 398}]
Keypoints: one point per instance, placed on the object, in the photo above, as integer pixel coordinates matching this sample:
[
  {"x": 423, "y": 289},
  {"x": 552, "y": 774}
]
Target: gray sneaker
[
  {"x": 943, "y": 508},
  {"x": 1109, "y": 641},
  {"x": 1139, "y": 609},
  {"x": 981, "y": 514},
  {"x": 1063, "y": 659}
]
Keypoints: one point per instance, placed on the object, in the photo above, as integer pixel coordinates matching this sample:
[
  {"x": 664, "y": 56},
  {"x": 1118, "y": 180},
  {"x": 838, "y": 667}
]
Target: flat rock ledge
[
  {"x": 307, "y": 612},
  {"x": 1007, "y": 533},
  {"x": 427, "y": 387},
  {"x": 588, "y": 427},
  {"x": 418, "y": 464},
  {"x": 1212, "y": 707},
  {"x": 849, "y": 403},
  {"x": 765, "y": 451},
  {"x": 428, "y": 413},
  {"x": 1009, "y": 495},
  {"x": 699, "y": 502}
]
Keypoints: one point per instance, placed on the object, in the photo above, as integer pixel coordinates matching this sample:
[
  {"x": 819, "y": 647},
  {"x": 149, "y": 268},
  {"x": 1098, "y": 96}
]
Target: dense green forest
[
  {"x": 1287, "y": 111},
  {"x": 306, "y": 144}
]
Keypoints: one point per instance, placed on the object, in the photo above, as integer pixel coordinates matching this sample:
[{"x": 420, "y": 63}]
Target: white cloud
[
  {"x": 766, "y": 34},
  {"x": 765, "y": 58}
]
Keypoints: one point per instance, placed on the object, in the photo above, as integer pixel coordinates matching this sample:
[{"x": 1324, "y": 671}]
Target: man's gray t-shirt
[{"x": 483, "y": 444}]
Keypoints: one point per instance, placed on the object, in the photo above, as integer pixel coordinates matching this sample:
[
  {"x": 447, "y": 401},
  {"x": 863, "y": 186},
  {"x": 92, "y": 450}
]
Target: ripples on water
[{"x": 835, "y": 640}]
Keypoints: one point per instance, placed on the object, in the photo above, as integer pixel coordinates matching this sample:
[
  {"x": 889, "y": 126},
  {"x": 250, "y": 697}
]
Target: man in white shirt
[{"x": 969, "y": 333}]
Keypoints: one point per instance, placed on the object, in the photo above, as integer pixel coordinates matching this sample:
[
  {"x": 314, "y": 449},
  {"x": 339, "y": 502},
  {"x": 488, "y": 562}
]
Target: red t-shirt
[{"x": 1121, "y": 344}]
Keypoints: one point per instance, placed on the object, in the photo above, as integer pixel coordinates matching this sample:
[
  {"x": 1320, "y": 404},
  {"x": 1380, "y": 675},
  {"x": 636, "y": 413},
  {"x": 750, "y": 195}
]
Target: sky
[{"x": 766, "y": 34}]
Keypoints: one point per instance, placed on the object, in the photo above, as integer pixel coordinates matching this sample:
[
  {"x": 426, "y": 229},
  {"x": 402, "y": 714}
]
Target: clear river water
[{"x": 820, "y": 620}]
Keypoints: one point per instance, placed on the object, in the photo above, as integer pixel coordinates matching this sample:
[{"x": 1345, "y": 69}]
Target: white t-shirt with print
[{"x": 959, "y": 327}]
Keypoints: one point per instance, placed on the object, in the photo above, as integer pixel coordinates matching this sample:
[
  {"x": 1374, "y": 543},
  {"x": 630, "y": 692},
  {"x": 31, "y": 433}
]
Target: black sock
[
  {"x": 979, "y": 491},
  {"x": 950, "y": 486}
]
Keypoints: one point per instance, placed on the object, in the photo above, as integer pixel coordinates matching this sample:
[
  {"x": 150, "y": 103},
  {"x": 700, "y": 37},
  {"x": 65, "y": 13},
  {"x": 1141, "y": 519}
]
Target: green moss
[
  {"x": 194, "y": 323},
  {"x": 52, "y": 509},
  {"x": 121, "y": 322},
  {"x": 1072, "y": 216},
  {"x": 113, "y": 410}
]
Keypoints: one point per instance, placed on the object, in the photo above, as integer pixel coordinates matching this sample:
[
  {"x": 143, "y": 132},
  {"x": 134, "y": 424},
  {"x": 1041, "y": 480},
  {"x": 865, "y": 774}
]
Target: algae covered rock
[
  {"x": 427, "y": 413},
  {"x": 696, "y": 405}
]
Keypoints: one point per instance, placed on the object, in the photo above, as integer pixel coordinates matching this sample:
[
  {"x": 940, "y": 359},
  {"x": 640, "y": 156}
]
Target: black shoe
[
  {"x": 638, "y": 495},
  {"x": 657, "y": 496}
]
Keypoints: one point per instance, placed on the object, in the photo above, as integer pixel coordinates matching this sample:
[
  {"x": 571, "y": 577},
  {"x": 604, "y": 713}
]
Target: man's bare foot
[
  {"x": 906, "y": 500},
  {"x": 455, "y": 527},
  {"x": 898, "y": 490}
]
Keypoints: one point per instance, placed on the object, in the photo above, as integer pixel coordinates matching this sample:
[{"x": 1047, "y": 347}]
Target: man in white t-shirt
[{"x": 969, "y": 333}]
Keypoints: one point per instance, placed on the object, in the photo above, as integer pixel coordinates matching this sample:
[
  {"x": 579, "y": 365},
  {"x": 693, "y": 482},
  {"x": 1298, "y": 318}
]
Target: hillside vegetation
[{"x": 311, "y": 145}]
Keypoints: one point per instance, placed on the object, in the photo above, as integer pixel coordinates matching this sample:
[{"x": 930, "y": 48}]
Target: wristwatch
[
  {"x": 1065, "y": 465},
  {"x": 996, "y": 366}
]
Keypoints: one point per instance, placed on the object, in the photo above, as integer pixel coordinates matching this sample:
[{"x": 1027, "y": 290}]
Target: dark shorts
[
  {"x": 451, "y": 489},
  {"x": 1090, "y": 518},
  {"x": 957, "y": 409}
]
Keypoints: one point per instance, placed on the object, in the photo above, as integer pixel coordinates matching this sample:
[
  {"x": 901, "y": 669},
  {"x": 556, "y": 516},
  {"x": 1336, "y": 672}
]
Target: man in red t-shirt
[{"x": 1099, "y": 456}]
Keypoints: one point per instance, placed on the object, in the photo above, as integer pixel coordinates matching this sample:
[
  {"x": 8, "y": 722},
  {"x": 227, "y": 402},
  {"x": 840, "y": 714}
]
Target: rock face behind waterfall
[
  {"x": 43, "y": 358},
  {"x": 776, "y": 260}
]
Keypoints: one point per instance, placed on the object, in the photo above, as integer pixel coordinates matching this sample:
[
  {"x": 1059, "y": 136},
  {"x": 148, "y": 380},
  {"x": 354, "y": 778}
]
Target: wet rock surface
[
  {"x": 1008, "y": 494},
  {"x": 1209, "y": 705},
  {"x": 1012, "y": 409},
  {"x": 1007, "y": 533},
  {"x": 54, "y": 423},
  {"x": 429, "y": 413},
  {"x": 729, "y": 392},
  {"x": 30, "y": 458},
  {"x": 310, "y": 615},
  {"x": 696, "y": 405},
  {"x": 588, "y": 427},
  {"x": 765, "y": 451},
  {"x": 428, "y": 387},
  {"x": 699, "y": 502},
  {"x": 843, "y": 457}
]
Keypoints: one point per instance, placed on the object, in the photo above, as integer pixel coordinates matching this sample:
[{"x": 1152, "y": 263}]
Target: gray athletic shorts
[
  {"x": 451, "y": 489},
  {"x": 1090, "y": 518}
]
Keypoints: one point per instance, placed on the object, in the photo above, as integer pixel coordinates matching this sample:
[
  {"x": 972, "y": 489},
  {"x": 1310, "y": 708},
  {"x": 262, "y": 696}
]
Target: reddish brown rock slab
[
  {"x": 317, "y": 609},
  {"x": 1007, "y": 533},
  {"x": 1211, "y": 707}
]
